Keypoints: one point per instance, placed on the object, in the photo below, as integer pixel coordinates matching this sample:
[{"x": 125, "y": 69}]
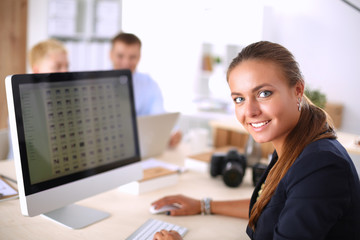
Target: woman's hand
[
  {"x": 167, "y": 235},
  {"x": 187, "y": 206}
]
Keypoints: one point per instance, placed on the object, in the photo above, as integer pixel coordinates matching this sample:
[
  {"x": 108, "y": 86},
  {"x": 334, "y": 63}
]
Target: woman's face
[{"x": 264, "y": 103}]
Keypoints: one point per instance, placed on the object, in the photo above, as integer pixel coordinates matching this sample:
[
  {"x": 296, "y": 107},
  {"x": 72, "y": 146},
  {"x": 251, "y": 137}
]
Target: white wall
[
  {"x": 173, "y": 32},
  {"x": 323, "y": 35},
  {"x": 36, "y": 23}
]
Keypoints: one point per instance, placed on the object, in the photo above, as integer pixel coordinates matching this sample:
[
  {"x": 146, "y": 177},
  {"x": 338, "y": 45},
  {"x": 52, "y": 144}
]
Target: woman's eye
[
  {"x": 238, "y": 99},
  {"x": 265, "y": 94}
]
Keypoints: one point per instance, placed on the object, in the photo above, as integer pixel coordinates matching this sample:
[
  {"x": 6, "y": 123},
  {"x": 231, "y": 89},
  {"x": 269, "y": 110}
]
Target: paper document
[{"x": 5, "y": 189}]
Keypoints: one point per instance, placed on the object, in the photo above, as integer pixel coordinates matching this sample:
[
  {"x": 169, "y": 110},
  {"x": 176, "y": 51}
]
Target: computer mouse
[{"x": 163, "y": 209}]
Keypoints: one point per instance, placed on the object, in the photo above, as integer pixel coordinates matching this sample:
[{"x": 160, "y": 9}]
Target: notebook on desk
[{"x": 154, "y": 133}]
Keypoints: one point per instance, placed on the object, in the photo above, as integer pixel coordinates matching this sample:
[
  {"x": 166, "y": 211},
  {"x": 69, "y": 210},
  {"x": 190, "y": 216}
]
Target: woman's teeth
[{"x": 257, "y": 125}]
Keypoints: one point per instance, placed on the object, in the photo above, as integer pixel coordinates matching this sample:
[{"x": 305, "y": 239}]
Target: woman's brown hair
[{"x": 313, "y": 124}]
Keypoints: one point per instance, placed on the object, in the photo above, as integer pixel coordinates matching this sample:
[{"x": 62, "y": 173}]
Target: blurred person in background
[
  {"x": 46, "y": 57},
  {"x": 125, "y": 53}
]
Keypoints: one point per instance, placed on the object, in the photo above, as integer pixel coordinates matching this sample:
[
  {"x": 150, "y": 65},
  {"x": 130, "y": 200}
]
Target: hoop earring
[{"x": 299, "y": 104}]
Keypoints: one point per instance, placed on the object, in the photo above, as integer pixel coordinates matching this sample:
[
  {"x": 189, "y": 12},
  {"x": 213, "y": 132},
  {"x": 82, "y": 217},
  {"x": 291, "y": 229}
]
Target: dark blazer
[{"x": 318, "y": 198}]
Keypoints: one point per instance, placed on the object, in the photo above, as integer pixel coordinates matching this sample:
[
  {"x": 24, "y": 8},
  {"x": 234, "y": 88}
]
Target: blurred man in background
[{"x": 125, "y": 54}]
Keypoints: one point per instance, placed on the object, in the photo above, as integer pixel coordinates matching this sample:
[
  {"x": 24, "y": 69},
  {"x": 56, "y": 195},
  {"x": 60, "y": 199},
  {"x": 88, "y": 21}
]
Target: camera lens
[
  {"x": 215, "y": 165},
  {"x": 233, "y": 174}
]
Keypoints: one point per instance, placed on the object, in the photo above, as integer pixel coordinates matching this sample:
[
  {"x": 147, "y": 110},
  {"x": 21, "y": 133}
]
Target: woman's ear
[{"x": 299, "y": 89}]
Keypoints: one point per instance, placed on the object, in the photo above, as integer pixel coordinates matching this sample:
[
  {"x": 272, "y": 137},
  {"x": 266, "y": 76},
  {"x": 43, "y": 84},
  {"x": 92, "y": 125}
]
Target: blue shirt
[
  {"x": 148, "y": 97},
  {"x": 318, "y": 198}
]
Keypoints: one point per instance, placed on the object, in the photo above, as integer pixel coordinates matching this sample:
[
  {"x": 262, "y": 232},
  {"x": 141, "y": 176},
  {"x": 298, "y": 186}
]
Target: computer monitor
[{"x": 74, "y": 135}]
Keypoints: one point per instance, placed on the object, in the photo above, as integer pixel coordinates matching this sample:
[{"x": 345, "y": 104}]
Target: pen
[{"x": 7, "y": 178}]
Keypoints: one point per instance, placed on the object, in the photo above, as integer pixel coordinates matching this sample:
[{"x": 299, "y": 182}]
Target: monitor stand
[{"x": 76, "y": 216}]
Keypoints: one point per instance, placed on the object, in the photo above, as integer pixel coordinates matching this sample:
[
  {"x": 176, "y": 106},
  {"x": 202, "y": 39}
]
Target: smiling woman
[
  {"x": 265, "y": 105},
  {"x": 272, "y": 108},
  {"x": 310, "y": 189}
]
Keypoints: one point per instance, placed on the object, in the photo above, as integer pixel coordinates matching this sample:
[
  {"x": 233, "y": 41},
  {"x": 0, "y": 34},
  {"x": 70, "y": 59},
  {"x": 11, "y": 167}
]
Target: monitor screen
[{"x": 70, "y": 127}]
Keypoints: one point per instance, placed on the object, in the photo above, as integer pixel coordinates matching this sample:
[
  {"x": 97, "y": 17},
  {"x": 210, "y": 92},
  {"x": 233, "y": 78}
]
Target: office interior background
[
  {"x": 323, "y": 35},
  {"x": 178, "y": 36}
]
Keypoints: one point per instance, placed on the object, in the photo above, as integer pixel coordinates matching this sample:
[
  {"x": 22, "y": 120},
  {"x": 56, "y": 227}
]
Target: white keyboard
[{"x": 151, "y": 226}]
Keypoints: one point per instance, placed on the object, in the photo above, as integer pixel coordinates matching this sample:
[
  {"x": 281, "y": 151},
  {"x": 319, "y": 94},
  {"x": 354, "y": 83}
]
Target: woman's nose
[{"x": 252, "y": 108}]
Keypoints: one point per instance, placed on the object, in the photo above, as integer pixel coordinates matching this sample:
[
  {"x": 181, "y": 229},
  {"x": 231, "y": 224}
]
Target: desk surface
[{"x": 128, "y": 211}]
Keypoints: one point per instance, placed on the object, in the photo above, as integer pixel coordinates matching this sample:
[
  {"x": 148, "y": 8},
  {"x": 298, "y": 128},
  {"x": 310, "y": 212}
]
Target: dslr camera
[{"x": 230, "y": 165}]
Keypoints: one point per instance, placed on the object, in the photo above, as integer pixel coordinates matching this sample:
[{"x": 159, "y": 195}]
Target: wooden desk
[{"x": 128, "y": 212}]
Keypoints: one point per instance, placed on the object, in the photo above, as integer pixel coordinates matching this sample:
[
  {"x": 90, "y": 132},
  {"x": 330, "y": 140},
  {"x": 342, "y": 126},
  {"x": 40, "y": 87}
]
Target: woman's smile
[{"x": 259, "y": 124}]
